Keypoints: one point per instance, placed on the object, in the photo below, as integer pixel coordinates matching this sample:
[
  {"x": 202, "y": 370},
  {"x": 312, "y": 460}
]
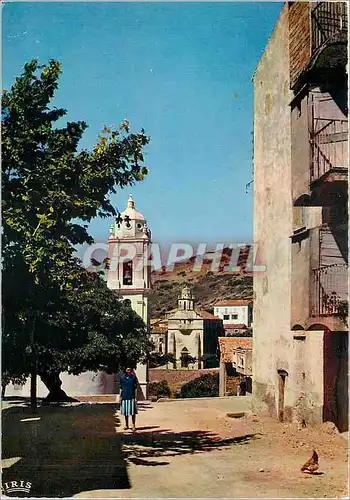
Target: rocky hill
[{"x": 208, "y": 286}]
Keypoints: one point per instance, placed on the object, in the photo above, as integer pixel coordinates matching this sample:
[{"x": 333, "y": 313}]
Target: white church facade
[{"x": 189, "y": 335}]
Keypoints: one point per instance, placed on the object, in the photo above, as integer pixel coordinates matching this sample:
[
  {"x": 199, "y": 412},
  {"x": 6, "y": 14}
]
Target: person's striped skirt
[{"x": 128, "y": 407}]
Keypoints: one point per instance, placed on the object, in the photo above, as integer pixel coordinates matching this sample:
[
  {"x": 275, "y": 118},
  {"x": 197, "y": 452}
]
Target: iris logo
[{"x": 16, "y": 487}]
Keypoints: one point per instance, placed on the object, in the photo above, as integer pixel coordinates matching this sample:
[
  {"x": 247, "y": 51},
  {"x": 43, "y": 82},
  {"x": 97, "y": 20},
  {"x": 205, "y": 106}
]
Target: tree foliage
[
  {"x": 159, "y": 389},
  {"x": 54, "y": 311},
  {"x": 206, "y": 385}
]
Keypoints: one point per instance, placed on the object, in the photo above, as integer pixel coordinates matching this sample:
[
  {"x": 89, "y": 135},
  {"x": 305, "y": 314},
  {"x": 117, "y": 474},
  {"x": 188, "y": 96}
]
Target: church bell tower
[{"x": 129, "y": 273}]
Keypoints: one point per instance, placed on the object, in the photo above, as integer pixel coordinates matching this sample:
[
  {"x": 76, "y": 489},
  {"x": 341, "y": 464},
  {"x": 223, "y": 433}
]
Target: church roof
[
  {"x": 159, "y": 329},
  {"x": 207, "y": 315},
  {"x": 159, "y": 325},
  {"x": 131, "y": 212}
]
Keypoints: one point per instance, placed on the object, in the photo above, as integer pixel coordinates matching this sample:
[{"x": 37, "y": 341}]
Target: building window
[
  {"x": 127, "y": 272},
  {"x": 226, "y": 316},
  {"x": 234, "y": 316},
  {"x": 184, "y": 358},
  {"x": 161, "y": 346}
]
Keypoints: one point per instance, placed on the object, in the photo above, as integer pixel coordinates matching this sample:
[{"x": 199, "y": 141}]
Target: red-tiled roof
[
  {"x": 239, "y": 326},
  {"x": 206, "y": 315},
  {"x": 159, "y": 326},
  {"x": 228, "y": 344},
  {"x": 233, "y": 302},
  {"x": 160, "y": 329}
]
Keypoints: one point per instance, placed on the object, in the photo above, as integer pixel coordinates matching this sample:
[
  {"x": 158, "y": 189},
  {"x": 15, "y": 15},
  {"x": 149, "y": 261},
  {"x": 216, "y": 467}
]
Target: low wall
[{"x": 177, "y": 378}]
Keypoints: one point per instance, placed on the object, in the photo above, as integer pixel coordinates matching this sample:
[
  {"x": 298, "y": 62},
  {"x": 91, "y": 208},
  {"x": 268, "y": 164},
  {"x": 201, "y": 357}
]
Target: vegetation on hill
[{"x": 208, "y": 286}]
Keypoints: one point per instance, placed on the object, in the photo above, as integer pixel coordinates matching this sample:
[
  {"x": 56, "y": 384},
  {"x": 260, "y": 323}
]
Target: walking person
[{"x": 128, "y": 405}]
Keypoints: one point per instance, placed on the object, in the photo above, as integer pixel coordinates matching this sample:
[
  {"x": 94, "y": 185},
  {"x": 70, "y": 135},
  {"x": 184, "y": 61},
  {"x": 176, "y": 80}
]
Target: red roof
[
  {"x": 233, "y": 302},
  {"x": 159, "y": 326},
  {"x": 229, "y": 344},
  {"x": 206, "y": 315},
  {"x": 159, "y": 329},
  {"x": 239, "y": 326}
]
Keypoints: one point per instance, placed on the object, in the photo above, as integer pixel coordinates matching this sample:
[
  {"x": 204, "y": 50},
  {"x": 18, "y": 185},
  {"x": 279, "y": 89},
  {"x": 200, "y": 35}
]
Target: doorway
[
  {"x": 184, "y": 358},
  {"x": 282, "y": 374}
]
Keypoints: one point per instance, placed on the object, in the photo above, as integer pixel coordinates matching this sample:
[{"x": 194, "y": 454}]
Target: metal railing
[
  {"x": 329, "y": 23},
  {"x": 329, "y": 143},
  {"x": 330, "y": 285}
]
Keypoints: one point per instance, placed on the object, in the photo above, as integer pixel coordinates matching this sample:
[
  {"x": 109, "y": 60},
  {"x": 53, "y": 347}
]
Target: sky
[{"x": 183, "y": 72}]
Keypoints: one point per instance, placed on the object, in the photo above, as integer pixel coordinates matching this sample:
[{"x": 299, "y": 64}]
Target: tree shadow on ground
[
  {"x": 138, "y": 448},
  {"x": 71, "y": 449},
  {"x": 18, "y": 400}
]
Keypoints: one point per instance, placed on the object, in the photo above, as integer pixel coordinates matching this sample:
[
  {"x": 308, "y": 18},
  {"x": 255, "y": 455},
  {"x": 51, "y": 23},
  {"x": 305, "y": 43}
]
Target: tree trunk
[
  {"x": 33, "y": 398},
  {"x": 3, "y": 390},
  {"x": 53, "y": 383}
]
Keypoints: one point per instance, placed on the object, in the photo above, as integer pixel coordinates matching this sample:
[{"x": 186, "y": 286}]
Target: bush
[
  {"x": 204, "y": 386},
  {"x": 159, "y": 389}
]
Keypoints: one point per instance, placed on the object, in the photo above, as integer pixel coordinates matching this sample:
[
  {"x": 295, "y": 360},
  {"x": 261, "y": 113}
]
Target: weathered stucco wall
[
  {"x": 301, "y": 149},
  {"x": 305, "y": 256},
  {"x": 86, "y": 384},
  {"x": 273, "y": 343},
  {"x": 307, "y": 380}
]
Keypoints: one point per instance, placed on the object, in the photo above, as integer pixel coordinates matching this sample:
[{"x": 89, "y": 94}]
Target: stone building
[
  {"x": 191, "y": 335},
  {"x": 300, "y": 349},
  {"x": 235, "y": 364}
]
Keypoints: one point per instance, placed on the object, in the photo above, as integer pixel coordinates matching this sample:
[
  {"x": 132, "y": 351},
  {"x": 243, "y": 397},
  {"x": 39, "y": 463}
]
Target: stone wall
[{"x": 229, "y": 379}]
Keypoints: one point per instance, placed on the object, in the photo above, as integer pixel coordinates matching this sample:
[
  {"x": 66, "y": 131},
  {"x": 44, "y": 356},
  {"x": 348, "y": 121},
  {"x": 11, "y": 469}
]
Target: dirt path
[{"x": 191, "y": 449}]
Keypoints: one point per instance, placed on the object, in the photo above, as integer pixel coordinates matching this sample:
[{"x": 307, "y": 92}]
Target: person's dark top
[{"x": 128, "y": 386}]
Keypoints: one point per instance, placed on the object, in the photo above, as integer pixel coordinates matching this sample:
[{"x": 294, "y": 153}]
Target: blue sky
[{"x": 180, "y": 70}]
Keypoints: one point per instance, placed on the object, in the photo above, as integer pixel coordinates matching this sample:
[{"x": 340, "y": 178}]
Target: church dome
[{"x": 131, "y": 212}]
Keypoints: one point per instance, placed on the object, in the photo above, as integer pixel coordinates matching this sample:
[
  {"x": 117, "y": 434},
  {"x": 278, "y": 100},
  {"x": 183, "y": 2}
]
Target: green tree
[{"x": 56, "y": 315}]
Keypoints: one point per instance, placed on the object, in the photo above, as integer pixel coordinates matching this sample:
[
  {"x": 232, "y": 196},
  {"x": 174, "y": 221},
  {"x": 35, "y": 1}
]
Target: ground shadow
[
  {"x": 143, "y": 406},
  {"x": 18, "y": 400},
  {"x": 71, "y": 449},
  {"x": 138, "y": 448}
]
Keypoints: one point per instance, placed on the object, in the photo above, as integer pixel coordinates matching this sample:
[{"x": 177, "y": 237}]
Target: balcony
[
  {"x": 329, "y": 25},
  {"x": 330, "y": 290},
  {"x": 328, "y": 137},
  {"x": 329, "y": 143},
  {"x": 317, "y": 42}
]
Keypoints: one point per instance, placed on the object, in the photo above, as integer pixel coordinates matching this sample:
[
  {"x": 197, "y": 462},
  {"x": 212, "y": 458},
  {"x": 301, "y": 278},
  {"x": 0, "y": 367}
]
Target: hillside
[{"x": 208, "y": 286}]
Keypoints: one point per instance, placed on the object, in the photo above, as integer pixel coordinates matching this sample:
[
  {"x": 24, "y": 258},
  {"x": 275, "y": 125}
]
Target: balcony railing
[
  {"x": 330, "y": 289},
  {"x": 329, "y": 143},
  {"x": 329, "y": 23}
]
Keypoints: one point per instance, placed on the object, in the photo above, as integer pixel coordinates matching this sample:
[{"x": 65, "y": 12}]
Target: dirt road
[{"x": 192, "y": 449}]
